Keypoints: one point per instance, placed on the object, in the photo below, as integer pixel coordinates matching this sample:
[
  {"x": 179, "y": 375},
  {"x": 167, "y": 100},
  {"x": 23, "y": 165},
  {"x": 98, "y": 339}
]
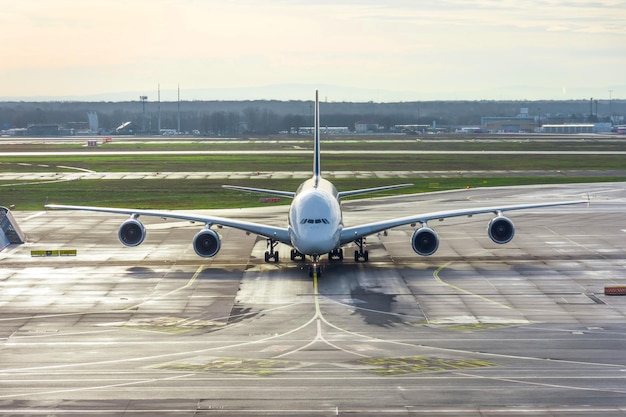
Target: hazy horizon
[
  {"x": 279, "y": 93},
  {"x": 285, "y": 49}
]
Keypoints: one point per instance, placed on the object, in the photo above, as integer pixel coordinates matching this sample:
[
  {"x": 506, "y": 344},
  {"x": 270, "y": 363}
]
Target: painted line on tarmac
[
  {"x": 319, "y": 336},
  {"x": 439, "y": 280},
  {"x": 543, "y": 384},
  {"x": 174, "y": 291}
]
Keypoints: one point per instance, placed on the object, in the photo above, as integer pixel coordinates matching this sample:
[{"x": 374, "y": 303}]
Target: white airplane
[{"x": 315, "y": 222}]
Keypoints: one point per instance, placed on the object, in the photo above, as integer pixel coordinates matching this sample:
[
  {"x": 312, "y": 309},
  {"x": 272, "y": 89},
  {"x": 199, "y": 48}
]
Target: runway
[{"x": 475, "y": 330}]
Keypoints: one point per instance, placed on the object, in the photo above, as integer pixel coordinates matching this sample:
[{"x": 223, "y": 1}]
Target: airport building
[
  {"x": 43, "y": 130},
  {"x": 522, "y": 123},
  {"x": 508, "y": 124},
  {"x": 366, "y": 127},
  {"x": 325, "y": 130},
  {"x": 569, "y": 128},
  {"x": 415, "y": 128}
]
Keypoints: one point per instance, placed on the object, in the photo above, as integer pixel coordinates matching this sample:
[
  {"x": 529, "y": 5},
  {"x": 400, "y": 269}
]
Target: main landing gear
[
  {"x": 361, "y": 255},
  {"x": 271, "y": 255},
  {"x": 335, "y": 255},
  {"x": 315, "y": 269},
  {"x": 297, "y": 256}
]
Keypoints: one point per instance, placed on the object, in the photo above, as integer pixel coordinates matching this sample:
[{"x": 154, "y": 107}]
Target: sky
[{"x": 365, "y": 50}]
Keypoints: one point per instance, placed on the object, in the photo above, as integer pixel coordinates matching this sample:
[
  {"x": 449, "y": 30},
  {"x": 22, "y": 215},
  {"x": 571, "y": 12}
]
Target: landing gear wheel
[
  {"x": 361, "y": 255},
  {"x": 271, "y": 255},
  {"x": 336, "y": 255},
  {"x": 296, "y": 256}
]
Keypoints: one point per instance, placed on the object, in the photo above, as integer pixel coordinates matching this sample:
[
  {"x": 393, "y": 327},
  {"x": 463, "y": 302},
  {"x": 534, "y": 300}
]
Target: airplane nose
[{"x": 314, "y": 243}]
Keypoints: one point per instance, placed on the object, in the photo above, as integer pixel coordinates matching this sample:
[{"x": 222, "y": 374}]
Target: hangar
[
  {"x": 569, "y": 128},
  {"x": 508, "y": 124}
]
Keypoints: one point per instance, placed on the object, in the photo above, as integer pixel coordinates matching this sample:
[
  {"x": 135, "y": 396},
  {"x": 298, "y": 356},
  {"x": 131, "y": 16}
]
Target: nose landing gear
[{"x": 315, "y": 269}]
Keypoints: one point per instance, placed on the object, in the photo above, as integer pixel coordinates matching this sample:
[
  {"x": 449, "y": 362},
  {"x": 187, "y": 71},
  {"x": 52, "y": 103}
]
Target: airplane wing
[
  {"x": 350, "y": 234},
  {"x": 280, "y": 234}
]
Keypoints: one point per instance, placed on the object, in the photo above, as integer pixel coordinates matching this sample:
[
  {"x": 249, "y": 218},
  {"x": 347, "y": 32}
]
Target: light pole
[
  {"x": 610, "y": 104},
  {"x": 143, "y": 117}
]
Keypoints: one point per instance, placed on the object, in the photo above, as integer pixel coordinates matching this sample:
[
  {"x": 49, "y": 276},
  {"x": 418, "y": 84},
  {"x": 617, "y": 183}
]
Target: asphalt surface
[
  {"x": 17, "y": 178},
  {"x": 475, "y": 330}
]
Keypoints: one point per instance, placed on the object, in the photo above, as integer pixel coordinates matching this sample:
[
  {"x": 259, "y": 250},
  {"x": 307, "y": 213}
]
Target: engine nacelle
[
  {"x": 425, "y": 241},
  {"x": 132, "y": 232},
  {"x": 207, "y": 243},
  {"x": 501, "y": 230}
]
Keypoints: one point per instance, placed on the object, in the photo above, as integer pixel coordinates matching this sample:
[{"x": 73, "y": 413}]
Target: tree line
[{"x": 233, "y": 118}]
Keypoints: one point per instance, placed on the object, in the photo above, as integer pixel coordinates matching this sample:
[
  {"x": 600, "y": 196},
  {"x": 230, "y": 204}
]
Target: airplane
[{"x": 315, "y": 221}]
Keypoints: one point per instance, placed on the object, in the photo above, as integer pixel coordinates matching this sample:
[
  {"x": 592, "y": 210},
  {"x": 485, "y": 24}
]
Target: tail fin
[{"x": 316, "y": 158}]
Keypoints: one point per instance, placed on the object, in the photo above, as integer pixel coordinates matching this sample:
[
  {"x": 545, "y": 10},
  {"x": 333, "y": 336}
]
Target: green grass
[
  {"x": 289, "y": 162},
  {"x": 200, "y": 194}
]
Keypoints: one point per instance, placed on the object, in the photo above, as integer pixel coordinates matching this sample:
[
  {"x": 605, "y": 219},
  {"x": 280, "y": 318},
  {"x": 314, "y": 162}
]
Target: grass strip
[{"x": 302, "y": 162}]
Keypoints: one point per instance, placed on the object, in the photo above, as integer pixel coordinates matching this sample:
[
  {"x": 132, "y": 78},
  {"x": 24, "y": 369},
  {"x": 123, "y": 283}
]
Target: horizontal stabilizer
[
  {"x": 261, "y": 191},
  {"x": 342, "y": 194}
]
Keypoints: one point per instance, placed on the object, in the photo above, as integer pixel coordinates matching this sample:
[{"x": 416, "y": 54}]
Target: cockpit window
[{"x": 314, "y": 221}]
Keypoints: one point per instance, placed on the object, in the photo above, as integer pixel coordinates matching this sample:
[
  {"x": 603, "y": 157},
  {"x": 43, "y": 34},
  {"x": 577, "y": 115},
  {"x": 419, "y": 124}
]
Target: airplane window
[{"x": 314, "y": 221}]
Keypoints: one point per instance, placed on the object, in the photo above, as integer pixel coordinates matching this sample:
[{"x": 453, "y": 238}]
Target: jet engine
[
  {"x": 501, "y": 229},
  {"x": 207, "y": 243},
  {"x": 425, "y": 241},
  {"x": 132, "y": 232}
]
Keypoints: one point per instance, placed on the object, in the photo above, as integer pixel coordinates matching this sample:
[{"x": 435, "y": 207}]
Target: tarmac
[
  {"x": 477, "y": 329},
  {"x": 74, "y": 174}
]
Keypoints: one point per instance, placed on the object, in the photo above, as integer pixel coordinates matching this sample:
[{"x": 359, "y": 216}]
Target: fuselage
[{"x": 315, "y": 220}]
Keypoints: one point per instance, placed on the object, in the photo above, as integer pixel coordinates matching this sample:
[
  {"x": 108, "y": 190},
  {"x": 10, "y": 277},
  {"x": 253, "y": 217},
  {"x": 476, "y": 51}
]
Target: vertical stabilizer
[{"x": 316, "y": 157}]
